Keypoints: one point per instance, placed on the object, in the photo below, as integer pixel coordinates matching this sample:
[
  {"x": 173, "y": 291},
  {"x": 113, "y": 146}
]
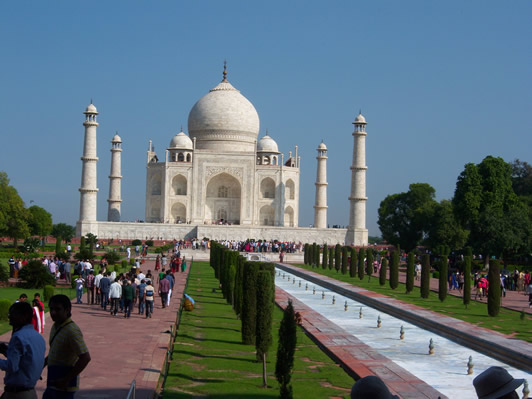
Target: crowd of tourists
[{"x": 263, "y": 246}]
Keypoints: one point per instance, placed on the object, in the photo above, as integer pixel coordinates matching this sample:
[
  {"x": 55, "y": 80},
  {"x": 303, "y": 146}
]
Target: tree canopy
[
  {"x": 40, "y": 221},
  {"x": 485, "y": 203},
  {"x": 65, "y": 231},
  {"x": 14, "y": 216},
  {"x": 404, "y": 217}
]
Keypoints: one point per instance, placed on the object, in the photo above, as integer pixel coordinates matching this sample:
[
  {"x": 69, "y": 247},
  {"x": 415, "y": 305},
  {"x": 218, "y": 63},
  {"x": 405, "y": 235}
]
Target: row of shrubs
[{"x": 250, "y": 288}]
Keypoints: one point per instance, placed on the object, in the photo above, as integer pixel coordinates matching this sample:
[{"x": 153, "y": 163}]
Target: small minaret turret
[
  {"x": 358, "y": 199},
  {"x": 115, "y": 180},
  {"x": 89, "y": 190},
  {"x": 320, "y": 209}
]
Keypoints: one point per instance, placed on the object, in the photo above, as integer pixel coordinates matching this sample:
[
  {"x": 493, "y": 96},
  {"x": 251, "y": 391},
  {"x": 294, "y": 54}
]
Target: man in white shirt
[
  {"x": 115, "y": 293},
  {"x": 97, "y": 280}
]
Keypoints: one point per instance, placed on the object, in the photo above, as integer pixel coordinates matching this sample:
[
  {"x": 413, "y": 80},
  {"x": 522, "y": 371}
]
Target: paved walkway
[{"x": 122, "y": 350}]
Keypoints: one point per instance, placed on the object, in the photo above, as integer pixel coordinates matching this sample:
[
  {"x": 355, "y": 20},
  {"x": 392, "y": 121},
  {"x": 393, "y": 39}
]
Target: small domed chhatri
[
  {"x": 360, "y": 118},
  {"x": 181, "y": 141},
  {"x": 116, "y": 139},
  {"x": 267, "y": 144}
]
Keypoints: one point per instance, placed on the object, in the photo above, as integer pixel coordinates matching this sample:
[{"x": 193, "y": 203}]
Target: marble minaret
[
  {"x": 320, "y": 209},
  {"x": 357, "y": 200},
  {"x": 89, "y": 190},
  {"x": 115, "y": 180}
]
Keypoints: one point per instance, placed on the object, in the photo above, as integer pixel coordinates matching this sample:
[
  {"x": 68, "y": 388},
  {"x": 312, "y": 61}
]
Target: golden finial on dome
[{"x": 225, "y": 71}]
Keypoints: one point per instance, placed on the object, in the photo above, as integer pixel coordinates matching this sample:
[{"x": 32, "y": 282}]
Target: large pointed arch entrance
[{"x": 223, "y": 198}]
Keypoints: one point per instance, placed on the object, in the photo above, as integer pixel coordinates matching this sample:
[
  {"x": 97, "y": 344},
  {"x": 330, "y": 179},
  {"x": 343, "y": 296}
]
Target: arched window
[
  {"x": 267, "y": 188},
  {"x": 179, "y": 185},
  {"x": 180, "y": 157},
  {"x": 222, "y": 192},
  {"x": 189, "y": 157},
  {"x": 156, "y": 185},
  {"x": 289, "y": 190}
]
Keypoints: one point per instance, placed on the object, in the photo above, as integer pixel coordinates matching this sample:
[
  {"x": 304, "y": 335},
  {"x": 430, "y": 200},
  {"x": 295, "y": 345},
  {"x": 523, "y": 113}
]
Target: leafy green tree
[
  {"x": 58, "y": 245},
  {"x": 40, "y": 221},
  {"x": 14, "y": 216},
  {"x": 91, "y": 239},
  {"x": 410, "y": 269},
  {"x": 522, "y": 183},
  {"x": 361, "y": 256},
  {"x": 31, "y": 244},
  {"x": 494, "y": 292},
  {"x": 383, "y": 271},
  {"x": 444, "y": 229},
  {"x": 331, "y": 257},
  {"x": 484, "y": 203},
  {"x": 394, "y": 270},
  {"x": 36, "y": 275},
  {"x": 353, "y": 263},
  {"x": 404, "y": 218},
  {"x": 286, "y": 350},
  {"x": 265, "y": 302},
  {"x": 324, "y": 258},
  {"x": 344, "y": 260},
  {"x": 112, "y": 257},
  {"x": 425, "y": 277},
  {"x": 63, "y": 230},
  {"x": 337, "y": 257}
]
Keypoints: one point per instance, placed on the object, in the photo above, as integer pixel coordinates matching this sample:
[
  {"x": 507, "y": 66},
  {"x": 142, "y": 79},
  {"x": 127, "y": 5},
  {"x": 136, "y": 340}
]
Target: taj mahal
[{"x": 221, "y": 181}]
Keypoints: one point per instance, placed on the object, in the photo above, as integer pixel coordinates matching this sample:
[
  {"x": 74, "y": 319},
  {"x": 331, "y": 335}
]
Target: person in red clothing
[{"x": 38, "y": 316}]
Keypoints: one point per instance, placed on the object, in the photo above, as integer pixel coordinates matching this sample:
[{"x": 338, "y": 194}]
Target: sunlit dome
[
  {"x": 360, "y": 118},
  {"x": 91, "y": 109},
  {"x": 181, "y": 141},
  {"x": 267, "y": 144}
]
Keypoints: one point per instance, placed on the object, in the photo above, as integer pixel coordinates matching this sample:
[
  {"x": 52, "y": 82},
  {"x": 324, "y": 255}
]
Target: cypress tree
[
  {"x": 467, "y": 276},
  {"x": 316, "y": 257},
  {"x": 82, "y": 245},
  {"x": 265, "y": 301},
  {"x": 324, "y": 258},
  {"x": 425, "y": 277},
  {"x": 494, "y": 291},
  {"x": 337, "y": 257},
  {"x": 305, "y": 254},
  {"x": 394, "y": 270},
  {"x": 58, "y": 244},
  {"x": 353, "y": 263},
  {"x": 239, "y": 280},
  {"x": 361, "y": 256},
  {"x": 344, "y": 260},
  {"x": 444, "y": 272},
  {"x": 382, "y": 272},
  {"x": 369, "y": 262},
  {"x": 231, "y": 275},
  {"x": 285, "y": 351},
  {"x": 249, "y": 303},
  {"x": 331, "y": 258},
  {"x": 410, "y": 269}
]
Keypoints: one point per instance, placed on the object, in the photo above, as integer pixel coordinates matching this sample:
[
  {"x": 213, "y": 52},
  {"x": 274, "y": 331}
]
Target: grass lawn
[
  {"x": 507, "y": 322},
  {"x": 210, "y": 360},
  {"x": 13, "y": 293}
]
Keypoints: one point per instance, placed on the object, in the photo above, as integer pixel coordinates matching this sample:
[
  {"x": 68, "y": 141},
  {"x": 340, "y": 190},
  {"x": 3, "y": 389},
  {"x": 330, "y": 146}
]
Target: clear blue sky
[{"x": 440, "y": 83}]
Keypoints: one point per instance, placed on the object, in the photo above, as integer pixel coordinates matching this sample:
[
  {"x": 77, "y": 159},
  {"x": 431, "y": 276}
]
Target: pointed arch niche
[
  {"x": 288, "y": 217},
  {"x": 290, "y": 189},
  {"x": 179, "y": 185},
  {"x": 222, "y": 202}
]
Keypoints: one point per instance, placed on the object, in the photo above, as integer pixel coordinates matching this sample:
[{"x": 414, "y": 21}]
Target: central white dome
[{"x": 224, "y": 120}]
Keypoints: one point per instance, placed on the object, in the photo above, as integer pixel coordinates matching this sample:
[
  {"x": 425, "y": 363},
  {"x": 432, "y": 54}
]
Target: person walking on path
[
  {"x": 170, "y": 277},
  {"x": 141, "y": 291},
  {"x": 79, "y": 289},
  {"x": 68, "y": 272},
  {"x": 105, "y": 286},
  {"x": 68, "y": 354},
  {"x": 128, "y": 294},
  {"x": 164, "y": 288},
  {"x": 115, "y": 293},
  {"x": 25, "y": 354},
  {"x": 150, "y": 292},
  {"x": 90, "y": 287}
]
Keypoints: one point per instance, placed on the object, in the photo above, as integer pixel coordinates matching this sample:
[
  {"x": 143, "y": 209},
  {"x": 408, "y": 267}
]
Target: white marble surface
[{"x": 445, "y": 371}]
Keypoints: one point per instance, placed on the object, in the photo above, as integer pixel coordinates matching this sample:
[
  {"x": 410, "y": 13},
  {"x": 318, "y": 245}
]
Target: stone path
[{"x": 122, "y": 350}]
